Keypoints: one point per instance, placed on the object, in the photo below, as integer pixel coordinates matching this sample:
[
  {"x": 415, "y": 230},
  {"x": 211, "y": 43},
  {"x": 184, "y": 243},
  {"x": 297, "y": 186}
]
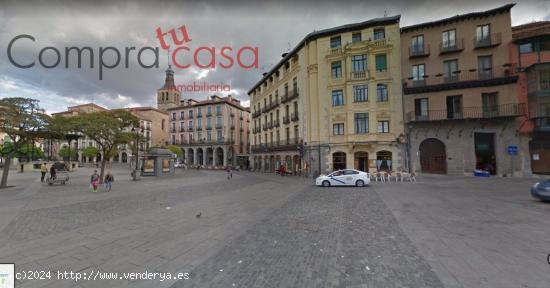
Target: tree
[
  {"x": 22, "y": 120},
  {"x": 90, "y": 152},
  {"x": 64, "y": 152},
  {"x": 107, "y": 128},
  {"x": 175, "y": 149},
  {"x": 30, "y": 150}
]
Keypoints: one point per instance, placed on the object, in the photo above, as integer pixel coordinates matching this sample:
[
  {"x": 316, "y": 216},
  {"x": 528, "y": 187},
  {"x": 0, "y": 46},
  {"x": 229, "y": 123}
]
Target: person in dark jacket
[{"x": 53, "y": 172}]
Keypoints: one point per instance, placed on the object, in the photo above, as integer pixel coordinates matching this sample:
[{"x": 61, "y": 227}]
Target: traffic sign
[{"x": 512, "y": 150}]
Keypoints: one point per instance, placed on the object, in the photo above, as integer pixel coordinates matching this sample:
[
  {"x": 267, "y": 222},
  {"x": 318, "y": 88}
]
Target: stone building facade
[{"x": 460, "y": 95}]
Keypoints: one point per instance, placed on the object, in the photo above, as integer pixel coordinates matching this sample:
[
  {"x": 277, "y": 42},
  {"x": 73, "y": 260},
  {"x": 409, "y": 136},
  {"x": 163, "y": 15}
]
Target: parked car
[
  {"x": 541, "y": 190},
  {"x": 348, "y": 177},
  {"x": 179, "y": 165}
]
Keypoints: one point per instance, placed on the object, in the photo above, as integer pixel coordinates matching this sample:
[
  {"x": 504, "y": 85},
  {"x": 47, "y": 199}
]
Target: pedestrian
[
  {"x": 109, "y": 179},
  {"x": 43, "y": 170},
  {"x": 52, "y": 172},
  {"x": 94, "y": 181},
  {"x": 229, "y": 173}
]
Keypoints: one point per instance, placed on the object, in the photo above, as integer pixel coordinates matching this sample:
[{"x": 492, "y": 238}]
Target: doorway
[
  {"x": 485, "y": 152},
  {"x": 362, "y": 161}
]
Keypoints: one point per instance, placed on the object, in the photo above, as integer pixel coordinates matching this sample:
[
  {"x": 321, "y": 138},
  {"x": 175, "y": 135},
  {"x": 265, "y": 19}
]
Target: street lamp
[{"x": 137, "y": 131}]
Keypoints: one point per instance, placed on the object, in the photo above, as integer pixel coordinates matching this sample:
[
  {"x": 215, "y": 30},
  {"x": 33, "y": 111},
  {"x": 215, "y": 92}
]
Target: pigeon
[{"x": 198, "y": 215}]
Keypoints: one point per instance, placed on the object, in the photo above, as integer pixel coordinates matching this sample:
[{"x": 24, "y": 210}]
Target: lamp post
[{"x": 137, "y": 131}]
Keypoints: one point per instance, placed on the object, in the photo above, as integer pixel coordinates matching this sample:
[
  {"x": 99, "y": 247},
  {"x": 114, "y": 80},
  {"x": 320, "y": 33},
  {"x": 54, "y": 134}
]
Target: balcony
[
  {"x": 191, "y": 116},
  {"x": 492, "y": 40},
  {"x": 270, "y": 125},
  {"x": 173, "y": 130},
  {"x": 359, "y": 75},
  {"x": 208, "y": 127},
  {"x": 241, "y": 117},
  {"x": 451, "y": 46},
  {"x": 380, "y": 43},
  {"x": 208, "y": 114},
  {"x": 182, "y": 117},
  {"x": 232, "y": 114},
  {"x": 270, "y": 106},
  {"x": 264, "y": 127},
  {"x": 276, "y": 123},
  {"x": 291, "y": 95},
  {"x": 256, "y": 114},
  {"x": 199, "y": 115},
  {"x": 418, "y": 51},
  {"x": 219, "y": 125},
  {"x": 190, "y": 129},
  {"x": 218, "y": 112},
  {"x": 286, "y": 120},
  {"x": 173, "y": 118},
  {"x": 478, "y": 112},
  {"x": 232, "y": 127},
  {"x": 182, "y": 129},
  {"x": 283, "y": 145},
  {"x": 335, "y": 51},
  {"x": 294, "y": 117},
  {"x": 461, "y": 79},
  {"x": 199, "y": 128}
]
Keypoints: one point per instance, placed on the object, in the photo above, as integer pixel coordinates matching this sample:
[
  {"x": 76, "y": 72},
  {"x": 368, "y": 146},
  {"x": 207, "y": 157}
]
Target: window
[
  {"x": 417, "y": 45},
  {"x": 208, "y": 136},
  {"x": 182, "y": 126},
  {"x": 335, "y": 42},
  {"x": 379, "y": 34},
  {"x": 191, "y": 137},
  {"x": 356, "y": 37},
  {"x": 526, "y": 48},
  {"x": 182, "y": 114},
  {"x": 418, "y": 72},
  {"x": 199, "y": 123},
  {"x": 219, "y": 135},
  {"x": 295, "y": 85},
  {"x": 359, "y": 63},
  {"x": 490, "y": 104},
  {"x": 199, "y": 112},
  {"x": 483, "y": 33},
  {"x": 384, "y": 126},
  {"x": 421, "y": 108},
  {"x": 190, "y": 113},
  {"x": 173, "y": 115},
  {"x": 361, "y": 123},
  {"x": 448, "y": 39},
  {"x": 219, "y": 121},
  {"x": 338, "y": 129},
  {"x": 360, "y": 93},
  {"x": 218, "y": 110},
  {"x": 454, "y": 107},
  {"x": 190, "y": 124},
  {"x": 450, "y": 67},
  {"x": 485, "y": 66},
  {"x": 381, "y": 92},
  {"x": 337, "y": 98},
  {"x": 209, "y": 110},
  {"x": 336, "y": 69},
  {"x": 381, "y": 63}
]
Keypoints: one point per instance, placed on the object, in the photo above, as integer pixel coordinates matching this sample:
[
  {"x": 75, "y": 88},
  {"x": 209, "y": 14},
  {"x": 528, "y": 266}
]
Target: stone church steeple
[{"x": 168, "y": 95}]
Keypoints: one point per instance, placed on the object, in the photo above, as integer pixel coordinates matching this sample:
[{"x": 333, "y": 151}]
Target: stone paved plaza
[{"x": 262, "y": 230}]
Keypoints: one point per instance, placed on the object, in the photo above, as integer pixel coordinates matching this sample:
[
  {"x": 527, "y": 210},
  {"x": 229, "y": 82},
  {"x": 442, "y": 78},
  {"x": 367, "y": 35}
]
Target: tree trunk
[
  {"x": 103, "y": 162},
  {"x": 5, "y": 172}
]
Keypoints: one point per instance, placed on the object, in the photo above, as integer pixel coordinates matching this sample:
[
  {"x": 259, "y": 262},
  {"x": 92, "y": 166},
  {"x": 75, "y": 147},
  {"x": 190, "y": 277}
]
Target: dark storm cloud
[{"x": 275, "y": 27}]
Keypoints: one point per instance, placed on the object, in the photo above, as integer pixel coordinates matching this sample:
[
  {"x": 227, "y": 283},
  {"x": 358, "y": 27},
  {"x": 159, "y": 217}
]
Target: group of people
[{"x": 94, "y": 179}]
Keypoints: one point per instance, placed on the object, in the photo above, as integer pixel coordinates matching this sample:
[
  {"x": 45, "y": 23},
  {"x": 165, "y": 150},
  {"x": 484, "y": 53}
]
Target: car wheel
[
  {"x": 325, "y": 183},
  {"x": 359, "y": 183}
]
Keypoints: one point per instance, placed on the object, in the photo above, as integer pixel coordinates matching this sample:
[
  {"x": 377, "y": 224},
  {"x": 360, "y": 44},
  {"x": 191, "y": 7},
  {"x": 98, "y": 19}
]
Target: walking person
[
  {"x": 52, "y": 172},
  {"x": 109, "y": 179},
  {"x": 94, "y": 181},
  {"x": 229, "y": 173},
  {"x": 43, "y": 171}
]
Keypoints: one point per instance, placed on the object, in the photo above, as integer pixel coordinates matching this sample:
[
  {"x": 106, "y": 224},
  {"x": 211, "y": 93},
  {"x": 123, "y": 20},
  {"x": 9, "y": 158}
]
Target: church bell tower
[{"x": 168, "y": 95}]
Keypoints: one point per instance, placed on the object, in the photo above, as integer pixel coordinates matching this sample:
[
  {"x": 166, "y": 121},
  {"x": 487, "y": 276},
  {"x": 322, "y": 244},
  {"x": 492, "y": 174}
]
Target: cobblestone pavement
[{"x": 260, "y": 230}]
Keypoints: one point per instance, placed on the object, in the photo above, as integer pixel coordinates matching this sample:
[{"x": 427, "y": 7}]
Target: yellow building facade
[{"x": 347, "y": 103}]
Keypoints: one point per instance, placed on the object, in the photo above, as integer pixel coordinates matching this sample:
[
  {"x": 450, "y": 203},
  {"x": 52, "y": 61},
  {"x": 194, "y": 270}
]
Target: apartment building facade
[
  {"x": 345, "y": 102},
  {"x": 212, "y": 133},
  {"x": 531, "y": 50},
  {"x": 460, "y": 98}
]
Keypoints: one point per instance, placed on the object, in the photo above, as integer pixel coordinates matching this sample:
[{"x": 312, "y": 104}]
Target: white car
[{"x": 348, "y": 177}]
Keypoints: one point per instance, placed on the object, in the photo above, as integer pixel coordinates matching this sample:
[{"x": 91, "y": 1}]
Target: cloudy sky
[{"x": 274, "y": 27}]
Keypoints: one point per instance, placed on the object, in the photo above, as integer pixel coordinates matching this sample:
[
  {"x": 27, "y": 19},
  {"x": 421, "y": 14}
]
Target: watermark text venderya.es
[{"x": 178, "y": 43}]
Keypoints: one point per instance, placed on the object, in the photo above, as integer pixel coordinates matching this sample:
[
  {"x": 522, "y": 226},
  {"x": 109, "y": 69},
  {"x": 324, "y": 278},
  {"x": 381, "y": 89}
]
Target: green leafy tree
[
  {"x": 175, "y": 149},
  {"x": 64, "y": 152},
  {"x": 23, "y": 121},
  {"x": 90, "y": 152},
  {"x": 107, "y": 128},
  {"x": 30, "y": 150}
]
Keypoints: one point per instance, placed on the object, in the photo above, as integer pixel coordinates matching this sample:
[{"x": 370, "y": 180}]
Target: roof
[
  {"x": 221, "y": 100},
  {"x": 77, "y": 108},
  {"x": 462, "y": 17},
  {"x": 146, "y": 108},
  {"x": 327, "y": 32},
  {"x": 531, "y": 30}
]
